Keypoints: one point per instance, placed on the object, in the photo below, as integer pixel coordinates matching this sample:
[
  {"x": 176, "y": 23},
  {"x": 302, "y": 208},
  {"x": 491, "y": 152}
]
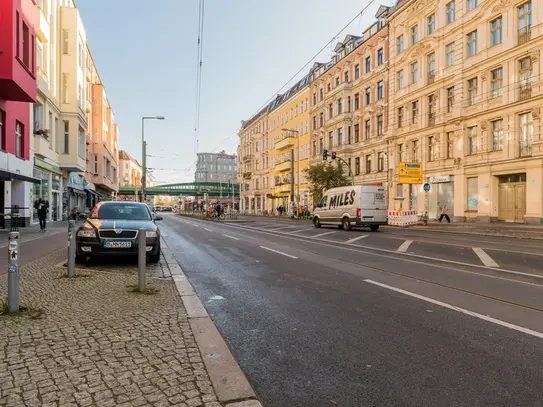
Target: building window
[
  {"x": 349, "y": 135},
  {"x": 496, "y": 82},
  {"x": 472, "y": 43},
  {"x": 367, "y": 129},
  {"x": 449, "y": 53},
  {"x": 526, "y": 134},
  {"x": 26, "y": 45},
  {"x": 472, "y": 91},
  {"x": 328, "y": 87},
  {"x": 450, "y": 99},
  {"x": 414, "y": 150},
  {"x": 472, "y": 4},
  {"x": 400, "y": 152},
  {"x": 497, "y": 135},
  {"x": 414, "y": 111},
  {"x": 368, "y": 163},
  {"x": 340, "y": 106},
  {"x": 414, "y": 68},
  {"x": 314, "y": 122},
  {"x": 496, "y": 31},
  {"x": 357, "y": 101},
  {"x": 368, "y": 64},
  {"x": 314, "y": 99},
  {"x": 414, "y": 35},
  {"x": 357, "y": 166},
  {"x": 65, "y": 42},
  {"x": 525, "y": 75},
  {"x": 380, "y": 125},
  {"x": 431, "y": 110},
  {"x": 431, "y": 148},
  {"x": 450, "y": 135},
  {"x": 321, "y": 119},
  {"x": 340, "y": 136},
  {"x": 2, "y": 130},
  {"x": 17, "y": 35},
  {"x": 399, "y": 44},
  {"x": 524, "y": 22},
  {"x": 356, "y": 133},
  {"x": 380, "y": 162},
  {"x": 314, "y": 148},
  {"x": 330, "y": 110},
  {"x": 380, "y": 56},
  {"x": 321, "y": 145},
  {"x": 19, "y": 139},
  {"x": 380, "y": 90},
  {"x": 451, "y": 12},
  {"x": 472, "y": 140},
  {"x": 337, "y": 81},
  {"x": 400, "y": 79},
  {"x": 321, "y": 94},
  {"x": 473, "y": 200},
  {"x": 368, "y": 96},
  {"x": 65, "y": 90},
  {"x": 331, "y": 139},
  {"x": 400, "y": 116},
  {"x": 66, "y": 144},
  {"x": 431, "y": 24},
  {"x": 431, "y": 60},
  {"x": 356, "y": 72}
]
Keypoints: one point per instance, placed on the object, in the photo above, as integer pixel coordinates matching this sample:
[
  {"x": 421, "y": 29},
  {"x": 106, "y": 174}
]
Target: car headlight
[
  {"x": 150, "y": 234},
  {"x": 86, "y": 233}
]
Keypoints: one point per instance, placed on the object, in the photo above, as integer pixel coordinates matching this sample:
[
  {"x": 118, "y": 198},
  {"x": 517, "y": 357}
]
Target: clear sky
[{"x": 146, "y": 52}]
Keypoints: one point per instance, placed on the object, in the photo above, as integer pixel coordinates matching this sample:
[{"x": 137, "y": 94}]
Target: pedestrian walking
[
  {"x": 41, "y": 207},
  {"x": 444, "y": 214},
  {"x": 74, "y": 213}
]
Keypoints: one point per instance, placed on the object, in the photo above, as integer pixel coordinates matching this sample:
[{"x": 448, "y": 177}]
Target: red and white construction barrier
[{"x": 402, "y": 218}]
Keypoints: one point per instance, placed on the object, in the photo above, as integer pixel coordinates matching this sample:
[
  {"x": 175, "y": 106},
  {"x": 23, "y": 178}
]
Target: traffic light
[
  {"x": 333, "y": 155},
  {"x": 325, "y": 155}
]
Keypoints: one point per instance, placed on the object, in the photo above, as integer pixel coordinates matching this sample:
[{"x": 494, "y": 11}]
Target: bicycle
[{"x": 218, "y": 216}]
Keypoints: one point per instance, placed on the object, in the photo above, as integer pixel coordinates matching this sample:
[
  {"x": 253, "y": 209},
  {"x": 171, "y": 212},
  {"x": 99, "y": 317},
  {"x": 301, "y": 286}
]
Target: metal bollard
[
  {"x": 142, "y": 259},
  {"x": 71, "y": 249},
  {"x": 13, "y": 271}
]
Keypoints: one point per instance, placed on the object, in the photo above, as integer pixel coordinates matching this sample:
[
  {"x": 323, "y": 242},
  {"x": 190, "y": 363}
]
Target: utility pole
[
  {"x": 292, "y": 175},
  {"x": 144, "y": 154}
]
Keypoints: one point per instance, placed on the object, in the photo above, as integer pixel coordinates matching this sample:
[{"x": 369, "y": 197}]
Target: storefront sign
[
  {"x": 440, "y": 179},
  {"x": 38, "y": 162},
  {"x": 76, "y": 181},
  {"x": 410, "y": 173}
]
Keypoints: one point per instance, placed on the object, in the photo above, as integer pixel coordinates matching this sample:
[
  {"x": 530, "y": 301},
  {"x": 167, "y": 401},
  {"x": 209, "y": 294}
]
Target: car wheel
[
  {"x": 374, "y": 228},
  {"x": 155, "y": 257},
  {"x": 80, "y": 258},
  {"x": 316, "y": 222},
  {"x": 346, "y": 223}
]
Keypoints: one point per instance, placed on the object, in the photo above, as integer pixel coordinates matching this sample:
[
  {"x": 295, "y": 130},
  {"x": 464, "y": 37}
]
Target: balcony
[
  {"x": 341, "y": 87},
  {"x": 281, "y": 167},
  {"x": 281, "y": 189},
  {"x": 43, "y": 29},
  {"x": 524, "y": 35},
  {"x": 525, "y": 149},
  {"x": 431, "y": 78},
  {"x": 247, "y": 175},
  {"x": 431, "y": 119},
  {"x": 247, "y": 157},
  {"x": 344, "y": 116},
  {"x": 285, "y": 143},
  {"x": 525, "y": 91}
]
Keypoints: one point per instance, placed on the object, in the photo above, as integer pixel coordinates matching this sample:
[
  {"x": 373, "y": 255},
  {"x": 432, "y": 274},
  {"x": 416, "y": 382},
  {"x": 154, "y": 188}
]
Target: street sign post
[
  {"x": 410, "y": 173},
  {"x": 426, "y": 187}
]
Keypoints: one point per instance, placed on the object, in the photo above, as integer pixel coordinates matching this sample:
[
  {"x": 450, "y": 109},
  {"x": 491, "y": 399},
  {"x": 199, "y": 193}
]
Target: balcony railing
[
  {"x": 247, "y": 157},
  {"x": 431, "y": 78},
  {"x": 525, "y": 91},
  {"x": 525, "y": 149},
  {"x": 284, "y": 143},
  {"x": 431, "y": 119},
  {"x": 247, "y": 175},
  {"x": 524, "y": 35},
  {"x": 284, "y": 166},
  {"x": 282, "y": 188}
]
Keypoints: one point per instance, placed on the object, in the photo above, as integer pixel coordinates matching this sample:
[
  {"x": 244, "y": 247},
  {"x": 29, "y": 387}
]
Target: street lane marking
[
  {"x": 282, "y": 227},
  {"x": 209, "y": 230},
  {"x": 231, "y": 237},
  {"x": 461, "y": 310},
  {"x": 355, "y": 239},
  {"x": 322, "y": 234},
  {"x": 405, "y": 245},
  {"x": 298, "y": 231},
  {"x": 485, "y": 258},
  {"x": 278, "y": 252}
]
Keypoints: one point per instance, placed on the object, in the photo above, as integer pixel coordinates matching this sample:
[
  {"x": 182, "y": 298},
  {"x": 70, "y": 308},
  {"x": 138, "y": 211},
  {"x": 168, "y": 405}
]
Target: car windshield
[{"x": 121, "y": 211}]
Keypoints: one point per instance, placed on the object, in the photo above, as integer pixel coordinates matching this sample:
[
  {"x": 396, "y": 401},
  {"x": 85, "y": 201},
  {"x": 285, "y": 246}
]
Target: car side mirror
[{"x": 158, "y": 217}]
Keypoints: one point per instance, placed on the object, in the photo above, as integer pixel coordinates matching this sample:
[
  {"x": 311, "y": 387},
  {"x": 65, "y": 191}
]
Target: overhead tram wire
[
  {"x": 199, "y": 63},
  {"x": 300, "y": 70}
]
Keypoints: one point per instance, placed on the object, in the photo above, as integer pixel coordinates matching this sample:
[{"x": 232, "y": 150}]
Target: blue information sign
[{"x": 426, "y": 187}]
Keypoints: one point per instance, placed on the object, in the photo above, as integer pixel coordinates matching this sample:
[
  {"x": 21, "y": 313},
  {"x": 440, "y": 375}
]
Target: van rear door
[{"x": 373, "y": 205}]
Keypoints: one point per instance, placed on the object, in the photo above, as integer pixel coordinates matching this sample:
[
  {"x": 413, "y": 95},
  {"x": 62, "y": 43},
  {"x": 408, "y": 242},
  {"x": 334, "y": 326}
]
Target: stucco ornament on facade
[
  {"x": 502, "y": 4},
  {"x": 484, "y": 125},
  {"x": 536, "y": 113}
]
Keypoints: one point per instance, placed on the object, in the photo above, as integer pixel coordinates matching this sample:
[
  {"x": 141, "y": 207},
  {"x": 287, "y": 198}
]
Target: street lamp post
[
  {"x": 298, "y": 163},
  {"x": 144, "y": 154}
]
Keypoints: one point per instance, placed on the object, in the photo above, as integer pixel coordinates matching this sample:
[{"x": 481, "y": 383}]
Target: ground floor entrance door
[{"x": 512, "y": 202}]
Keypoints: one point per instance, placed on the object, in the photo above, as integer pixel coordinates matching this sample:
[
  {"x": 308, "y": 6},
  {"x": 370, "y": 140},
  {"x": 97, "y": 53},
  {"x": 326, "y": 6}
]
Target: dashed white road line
[
  {"x": 298, "y": 231},
  {"x": 404, "y": 246},
  {"x": 209, "y": 230},
  {"x": 231, "y": 237},
  {"x": 282, "y": 227},
  {"x": 278, "y": 252},
  {"x": 461, "y": 310},
  {"x": 323, "y": 234},
  {"x": 485, "y": 258},
  {"x": 355, "y": 239}
]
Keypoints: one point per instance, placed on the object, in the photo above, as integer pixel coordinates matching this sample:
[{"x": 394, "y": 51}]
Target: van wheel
[
  {"x": 346, "y": 223},
  {"x": 316, "y": 222},
  {"x": 374, "y": 228}
]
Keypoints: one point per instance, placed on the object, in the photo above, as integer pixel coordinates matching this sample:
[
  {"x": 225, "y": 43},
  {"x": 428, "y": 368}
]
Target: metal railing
[{"x": 524, "y": 35}]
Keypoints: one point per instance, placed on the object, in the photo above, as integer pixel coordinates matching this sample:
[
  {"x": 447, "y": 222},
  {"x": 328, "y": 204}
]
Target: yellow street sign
[{"x": 410, "y": 173}]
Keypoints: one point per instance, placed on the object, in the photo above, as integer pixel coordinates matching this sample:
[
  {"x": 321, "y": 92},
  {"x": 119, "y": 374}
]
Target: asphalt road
[{"x": 327, "y": 320}]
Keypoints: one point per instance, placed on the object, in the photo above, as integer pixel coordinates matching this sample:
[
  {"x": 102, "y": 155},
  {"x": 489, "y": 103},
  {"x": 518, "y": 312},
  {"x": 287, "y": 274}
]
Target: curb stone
[{"x": 227, "y": 378}]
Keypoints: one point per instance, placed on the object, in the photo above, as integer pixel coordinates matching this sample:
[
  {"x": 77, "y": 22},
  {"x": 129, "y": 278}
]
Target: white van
[{"x": 358, "y": 205}]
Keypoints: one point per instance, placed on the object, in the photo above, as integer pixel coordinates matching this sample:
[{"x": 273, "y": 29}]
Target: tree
[{"x": 323, "y": 176}]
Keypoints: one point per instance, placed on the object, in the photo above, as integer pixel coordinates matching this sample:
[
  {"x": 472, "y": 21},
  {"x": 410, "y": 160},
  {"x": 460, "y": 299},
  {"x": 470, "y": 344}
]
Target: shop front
[
  {"x": 441, "y": 193},
  {"x": 74, "y": 195},
  {"x": 49, "y": 189},
  {"x": 93, "y": 197}
]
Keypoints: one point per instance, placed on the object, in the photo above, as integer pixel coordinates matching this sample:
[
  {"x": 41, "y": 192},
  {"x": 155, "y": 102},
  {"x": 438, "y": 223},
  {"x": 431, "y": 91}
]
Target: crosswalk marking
[
  {"x": 356, "y": 238},
  {"x": 405, "y": 245},
  {"x": 485, "y": 258},
  {"x": 323, "y": 234}
]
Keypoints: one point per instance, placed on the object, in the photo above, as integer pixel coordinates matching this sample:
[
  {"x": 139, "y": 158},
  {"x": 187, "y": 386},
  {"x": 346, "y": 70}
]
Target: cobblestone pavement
[
  {"x": 97, "y": 343},
  {"x": 127, "y": 266}
]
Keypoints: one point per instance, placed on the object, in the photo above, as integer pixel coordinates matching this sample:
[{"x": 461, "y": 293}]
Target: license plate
[{"x": 117, "y": 245}]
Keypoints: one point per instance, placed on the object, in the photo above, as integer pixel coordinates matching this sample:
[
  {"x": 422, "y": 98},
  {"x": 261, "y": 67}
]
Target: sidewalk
[
  {"x": 501, "y": 229},
  {"x": 92, "y": 341}
]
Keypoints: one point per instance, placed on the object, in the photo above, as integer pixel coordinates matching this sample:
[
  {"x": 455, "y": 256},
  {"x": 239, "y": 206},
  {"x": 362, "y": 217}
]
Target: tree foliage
[{"x": 323, "y": 176}]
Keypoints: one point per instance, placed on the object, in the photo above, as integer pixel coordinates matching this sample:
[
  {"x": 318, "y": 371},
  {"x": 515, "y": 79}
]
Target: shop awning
[
  {"x": 92, "y": 191},
  {"x": 9, "y": 176}
]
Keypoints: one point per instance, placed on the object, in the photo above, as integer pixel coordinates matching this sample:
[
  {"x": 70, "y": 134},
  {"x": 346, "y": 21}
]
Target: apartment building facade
[
  {"x": 469, "y": 108},
  {"x": 349, "y": 104},
  {"x": 129, "y": 170},
  {"x": 287, "y": 141},
  {"x": 17, "y": 92},
  {"x": 216, "y": 167}
]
